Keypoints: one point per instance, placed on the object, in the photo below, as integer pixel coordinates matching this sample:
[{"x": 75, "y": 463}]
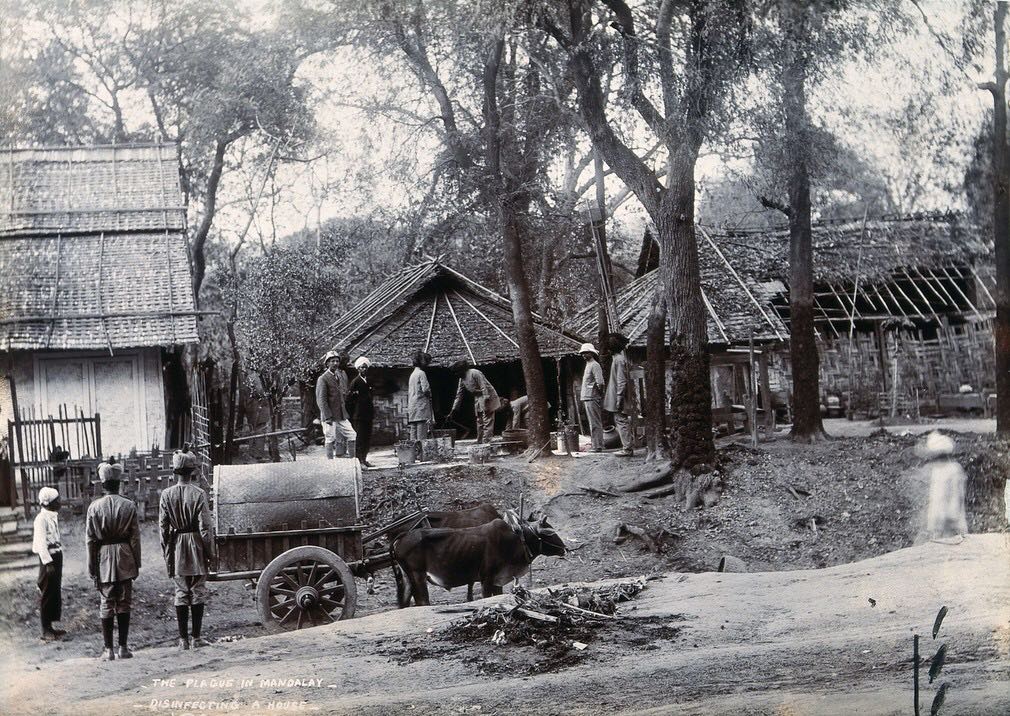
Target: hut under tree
[
  {"x": 98, "y": 299},
  {"x": 738, "y": 313},
  {"x": 432, "y": 307},
  {"x": 914, "y": 293}
]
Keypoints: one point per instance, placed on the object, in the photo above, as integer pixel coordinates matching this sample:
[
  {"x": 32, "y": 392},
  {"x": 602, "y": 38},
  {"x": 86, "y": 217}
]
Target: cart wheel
[{"x": 305, "y": 587}]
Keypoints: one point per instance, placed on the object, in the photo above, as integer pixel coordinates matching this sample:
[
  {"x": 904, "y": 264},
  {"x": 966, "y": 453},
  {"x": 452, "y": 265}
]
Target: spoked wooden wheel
[{"x": 305, "y": 587}]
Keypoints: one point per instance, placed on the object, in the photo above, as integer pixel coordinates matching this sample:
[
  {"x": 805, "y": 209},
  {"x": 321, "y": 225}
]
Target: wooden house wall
[{"x": 126, "y": 388}]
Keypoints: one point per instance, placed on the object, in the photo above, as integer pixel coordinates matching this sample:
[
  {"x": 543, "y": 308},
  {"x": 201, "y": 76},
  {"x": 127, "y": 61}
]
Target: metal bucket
[
  {"x": 572, "y": 438},
  {"x": 272, "y": 495},
  {"x": 406, "y": 452},
  {"x": 451, "y": 434},
  {"x": 437, "y": 449},
  {"x": 480, "y": 454}
]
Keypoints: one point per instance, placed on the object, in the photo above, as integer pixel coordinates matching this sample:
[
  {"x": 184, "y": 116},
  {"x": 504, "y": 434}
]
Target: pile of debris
[
  {"x": 392, "y": 496},
  {"x": 565, "y": 616}
]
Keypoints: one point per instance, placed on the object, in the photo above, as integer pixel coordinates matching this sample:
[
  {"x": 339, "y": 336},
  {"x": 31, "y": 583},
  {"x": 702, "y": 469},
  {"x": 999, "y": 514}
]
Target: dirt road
[{"x": 800, "y": 642}]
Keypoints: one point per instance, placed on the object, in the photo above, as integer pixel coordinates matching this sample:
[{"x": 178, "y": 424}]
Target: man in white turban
[
  {"x": 112, "y": 532},
  {"x": 46, "y": 544},
  {"x": 362, "y": 408},
  {"x": 184, "y": 521}
]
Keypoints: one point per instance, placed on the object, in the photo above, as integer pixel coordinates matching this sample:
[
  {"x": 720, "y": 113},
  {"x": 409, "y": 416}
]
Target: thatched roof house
[
  {"x": 916, "y": 293},
  {"x": 736, "y": 305},
  {"x": 923, "y": 269},
  {"x": 97, "y": 283},
  {"x": 433, "y": 307}
]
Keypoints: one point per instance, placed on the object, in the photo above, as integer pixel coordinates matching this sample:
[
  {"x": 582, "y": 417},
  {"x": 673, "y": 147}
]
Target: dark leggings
[{"x": 51, "y": 586}]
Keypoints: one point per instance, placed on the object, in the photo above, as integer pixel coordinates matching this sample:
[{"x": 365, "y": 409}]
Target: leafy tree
[
  {"x": 281, "y": 301},
  {"x": 494, "y": 118}
]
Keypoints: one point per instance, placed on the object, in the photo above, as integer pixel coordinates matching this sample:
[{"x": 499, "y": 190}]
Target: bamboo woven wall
[{"x": 926, "y": 367}]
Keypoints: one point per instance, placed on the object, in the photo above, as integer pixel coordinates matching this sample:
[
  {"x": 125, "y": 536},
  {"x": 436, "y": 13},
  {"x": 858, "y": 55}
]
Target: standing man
[
  {"x": 46, "y": 544},
  {"x": 419, "y": 412},
  {"x": 620, "y": 397},
  {"x": 485, "y": 398},
  {"x": 113, "y": 542},
  {"x": 360, "y": 397},
  {"x": 331, "y": 392},
  {"x": 184, "y": 521},
  {"x": 591, "y": 394}
]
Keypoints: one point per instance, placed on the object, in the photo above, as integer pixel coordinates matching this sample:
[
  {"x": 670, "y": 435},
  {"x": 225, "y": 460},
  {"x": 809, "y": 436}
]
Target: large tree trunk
[
  {"x": 1001, "y": 224},
  {"x": 691, "y": 399},
  {"x": 802, "y": 345},
  {"x": 511, "y": 215},
  {"x": 655, "y": 381}
]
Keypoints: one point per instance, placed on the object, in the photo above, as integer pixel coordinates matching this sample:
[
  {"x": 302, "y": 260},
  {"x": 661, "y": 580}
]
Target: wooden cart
[{"x": 293, "y": 528}]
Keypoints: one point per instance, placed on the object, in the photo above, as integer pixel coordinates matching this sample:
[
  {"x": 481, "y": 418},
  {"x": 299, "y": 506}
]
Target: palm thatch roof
[
  {"x": 430, "y": 306},
  {"x": 875, "y": 251},
  {"x": 920, "y": 268},
  {"x": 92, "y": 249},
  {"x": 736, "y": 304}
]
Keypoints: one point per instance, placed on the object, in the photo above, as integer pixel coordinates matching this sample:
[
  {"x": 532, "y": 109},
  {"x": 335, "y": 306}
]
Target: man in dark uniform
[
  {"x": 113, "y": 544},
  {"x": 184, "y": 521},
  {"x": 362, "y": 407}
]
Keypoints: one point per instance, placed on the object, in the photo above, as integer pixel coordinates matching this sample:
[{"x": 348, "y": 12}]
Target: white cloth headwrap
[
  {"x": 47, "y": 495},
  {"x": 110, "y": 471},
  {"x": 362, "y": 361}
]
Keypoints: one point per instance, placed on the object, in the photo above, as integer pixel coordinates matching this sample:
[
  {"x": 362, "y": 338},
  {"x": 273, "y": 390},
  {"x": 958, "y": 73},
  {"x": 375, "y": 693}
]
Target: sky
[{"x": 366, "y": 155}]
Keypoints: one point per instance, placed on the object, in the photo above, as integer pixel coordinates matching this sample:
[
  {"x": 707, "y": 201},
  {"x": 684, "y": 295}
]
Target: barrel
[{"x": 270, "y": 496}]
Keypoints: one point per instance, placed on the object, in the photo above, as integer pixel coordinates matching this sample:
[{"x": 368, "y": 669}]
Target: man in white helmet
[
  {"x": 591, "y": 394},
  {"x": 331, "y": 394},
  {"x": 184, "y": 522},
  {"x": 46, "y": 544},
  {"x": 113, "y": 542}
]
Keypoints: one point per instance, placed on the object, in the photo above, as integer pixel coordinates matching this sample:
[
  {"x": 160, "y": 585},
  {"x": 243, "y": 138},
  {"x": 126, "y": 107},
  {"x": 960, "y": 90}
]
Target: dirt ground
[
  {"x": 851, "y": 499},
  {"x": 827, "y": 641}
]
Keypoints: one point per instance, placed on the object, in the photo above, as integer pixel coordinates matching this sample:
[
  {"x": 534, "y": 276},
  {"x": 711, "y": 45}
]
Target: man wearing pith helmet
[
  {"x": 113, "y": 543},
  {"x": 331, "y": 393},
  {"x": 184, "y": 521},
  {"x": 591, "y": 394}
]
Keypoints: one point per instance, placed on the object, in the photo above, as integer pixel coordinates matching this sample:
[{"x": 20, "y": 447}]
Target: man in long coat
[
  {"x": 331, "y": 394},
  {"x": 485, "y": 398},
  {"x": 361, "y": 405},
  {"x": 620, "y": 398},
  {"x": 184, "y": 521},
  {"x": 419, "y": 410},
  {"x": 112, "y": 533}
]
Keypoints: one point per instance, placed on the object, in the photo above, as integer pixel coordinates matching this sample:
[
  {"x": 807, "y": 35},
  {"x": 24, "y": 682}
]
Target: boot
[
  {"x": 350, "y": 449},
  {"x": 124, "y": 652},
  {"x": 183, "y": 644},
  {"x": 108, "y": 655},
  {"x": 329, "y": 451}
]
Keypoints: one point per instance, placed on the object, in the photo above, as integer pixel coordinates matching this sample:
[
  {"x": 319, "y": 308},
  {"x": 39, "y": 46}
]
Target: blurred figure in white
[{"x": 945, "y": 514}]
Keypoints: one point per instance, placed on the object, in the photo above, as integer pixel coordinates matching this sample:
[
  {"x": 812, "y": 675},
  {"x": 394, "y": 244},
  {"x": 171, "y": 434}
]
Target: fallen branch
[
  {"x": 597, "y": 491},
  {"x": 537, "y": 615}
]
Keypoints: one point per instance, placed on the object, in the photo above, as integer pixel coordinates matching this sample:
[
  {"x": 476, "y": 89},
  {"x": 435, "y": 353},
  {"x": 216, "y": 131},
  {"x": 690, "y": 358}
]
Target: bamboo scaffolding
[
  {"x": 939, "y": 283},
  {"x": 922, "y": 296},
  {"x": 431, "y": 323},
  {"x": 460, "y": 328},
  {"x": 492, "y": 323}
]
